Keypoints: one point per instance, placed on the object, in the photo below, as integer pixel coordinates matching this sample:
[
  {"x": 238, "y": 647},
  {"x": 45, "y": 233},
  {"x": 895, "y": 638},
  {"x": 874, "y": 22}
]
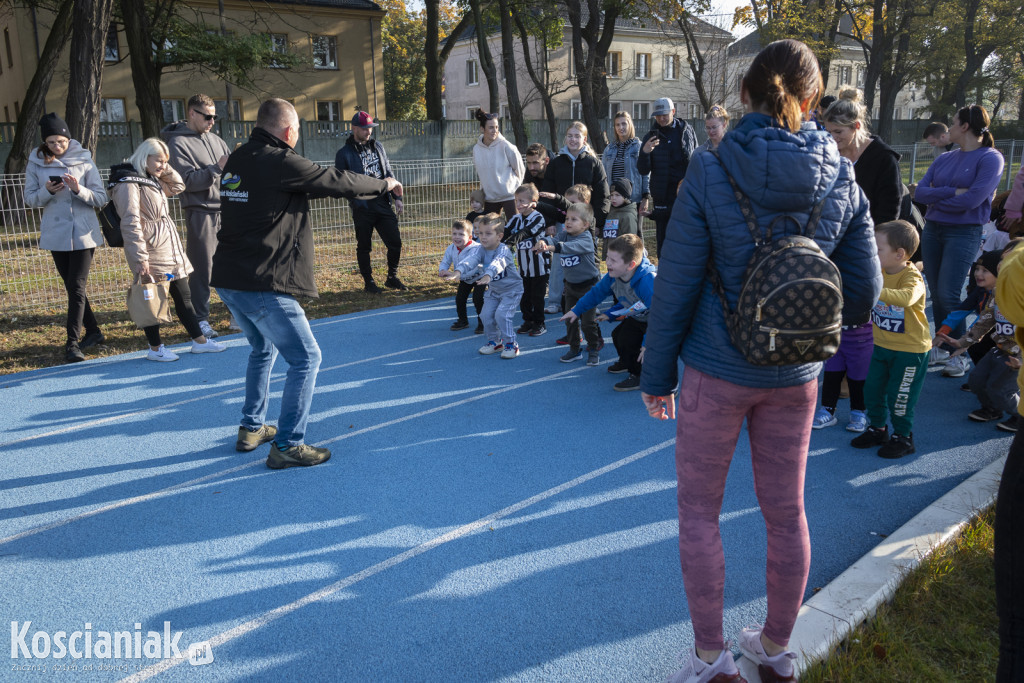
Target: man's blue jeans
[
  {"x": 948, "y": 252},
  {"x": 275, "y": 323}
]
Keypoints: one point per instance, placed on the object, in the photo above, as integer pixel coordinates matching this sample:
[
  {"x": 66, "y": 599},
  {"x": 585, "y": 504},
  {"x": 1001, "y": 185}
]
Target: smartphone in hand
[{"x": 57, "y": 179}]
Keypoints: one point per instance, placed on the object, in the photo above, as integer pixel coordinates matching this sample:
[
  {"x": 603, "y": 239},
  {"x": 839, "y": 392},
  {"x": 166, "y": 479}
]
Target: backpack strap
[
  {"x": 748, "y": 211},
  {"x": 138, "y": 180}
]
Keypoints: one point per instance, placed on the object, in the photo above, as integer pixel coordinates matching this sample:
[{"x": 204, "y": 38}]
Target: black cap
[
  {"x": 990, "y": 260},
  {"x": 624, "y": 187},
  {"x": 51, "y": 124}
]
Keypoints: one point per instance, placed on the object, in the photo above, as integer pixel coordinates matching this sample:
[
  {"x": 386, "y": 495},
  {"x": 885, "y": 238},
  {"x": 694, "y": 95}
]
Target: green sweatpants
[{"x": 893, "y": 384}]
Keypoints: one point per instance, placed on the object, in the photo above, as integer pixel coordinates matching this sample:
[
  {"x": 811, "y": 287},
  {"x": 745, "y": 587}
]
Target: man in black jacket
[
  {"x": 361, "y": 154},
  {"x": 264, "y": 261},
  {"x": 665, "y": 154}
]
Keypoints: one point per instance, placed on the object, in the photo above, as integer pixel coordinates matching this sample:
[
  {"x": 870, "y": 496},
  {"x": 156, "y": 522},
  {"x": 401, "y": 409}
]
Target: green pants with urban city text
[{"x": 893, "y": 385}]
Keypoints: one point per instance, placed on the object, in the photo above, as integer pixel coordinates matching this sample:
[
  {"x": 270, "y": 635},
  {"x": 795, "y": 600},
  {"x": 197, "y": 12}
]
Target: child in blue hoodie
[{"x": 631, "y": 279}]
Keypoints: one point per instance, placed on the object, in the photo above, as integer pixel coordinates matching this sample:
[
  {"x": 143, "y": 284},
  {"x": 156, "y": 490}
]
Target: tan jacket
[{"x": 149, "y": 233}]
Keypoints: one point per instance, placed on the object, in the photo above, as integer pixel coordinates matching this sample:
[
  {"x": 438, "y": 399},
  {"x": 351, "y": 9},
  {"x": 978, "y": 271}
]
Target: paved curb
[{"x": 854, "y": 596}]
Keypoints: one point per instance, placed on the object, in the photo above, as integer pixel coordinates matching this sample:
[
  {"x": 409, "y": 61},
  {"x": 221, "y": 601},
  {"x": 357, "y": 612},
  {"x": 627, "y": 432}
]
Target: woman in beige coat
[{"x": 151, "y": 243}]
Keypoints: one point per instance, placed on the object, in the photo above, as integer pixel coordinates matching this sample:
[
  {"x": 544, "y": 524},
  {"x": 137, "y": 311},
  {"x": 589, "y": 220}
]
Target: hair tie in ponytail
[{"x": 984, "y": 130}]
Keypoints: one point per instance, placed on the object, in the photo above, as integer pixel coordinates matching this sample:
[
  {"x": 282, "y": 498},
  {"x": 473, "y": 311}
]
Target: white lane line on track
[
  {"x": 164, "y": 406},
  {"x": 348, "y": 435},
  {"x": 454, "y": 534}
]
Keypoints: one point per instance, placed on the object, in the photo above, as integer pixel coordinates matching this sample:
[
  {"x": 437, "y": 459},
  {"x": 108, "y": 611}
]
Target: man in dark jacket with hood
[
  {"x": 362, "y": 154},
  {"x": 264, "y": 261},
  {"x": 665, "y": 154}
]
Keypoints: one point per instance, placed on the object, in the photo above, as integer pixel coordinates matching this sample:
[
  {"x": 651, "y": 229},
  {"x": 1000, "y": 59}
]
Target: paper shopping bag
[{"x": 148, "y": 303}]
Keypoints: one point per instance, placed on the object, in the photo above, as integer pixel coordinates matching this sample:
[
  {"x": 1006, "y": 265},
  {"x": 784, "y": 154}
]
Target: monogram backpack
[{"x": 790, "y": 306}]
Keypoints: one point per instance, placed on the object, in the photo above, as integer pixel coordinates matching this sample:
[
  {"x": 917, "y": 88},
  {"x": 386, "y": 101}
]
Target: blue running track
[{"x": 481, "y": 519}]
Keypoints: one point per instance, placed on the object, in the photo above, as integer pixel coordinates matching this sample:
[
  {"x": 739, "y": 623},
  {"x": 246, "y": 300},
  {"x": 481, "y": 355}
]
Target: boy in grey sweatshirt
[
  {"x": 574, "y": 247},
  {"x": 497, "y": 264}
]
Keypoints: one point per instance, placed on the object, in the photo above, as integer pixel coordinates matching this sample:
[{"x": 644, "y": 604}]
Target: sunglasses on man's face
[{"x": 208, "y": 117}]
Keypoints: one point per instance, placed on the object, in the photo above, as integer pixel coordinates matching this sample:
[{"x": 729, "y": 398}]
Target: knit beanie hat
[
  {"x": 51, "y": 124},
  {"x": 624, "y": 187},
  {"x": 990, "y": 260}
]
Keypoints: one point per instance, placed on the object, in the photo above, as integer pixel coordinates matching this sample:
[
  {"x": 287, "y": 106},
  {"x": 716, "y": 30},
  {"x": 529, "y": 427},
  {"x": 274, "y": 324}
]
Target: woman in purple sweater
[{"x": 958, "y": 189}]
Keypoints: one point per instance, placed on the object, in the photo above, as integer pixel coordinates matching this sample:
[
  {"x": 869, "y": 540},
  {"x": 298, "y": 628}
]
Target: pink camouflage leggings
[{"x": 711, "y": 412}]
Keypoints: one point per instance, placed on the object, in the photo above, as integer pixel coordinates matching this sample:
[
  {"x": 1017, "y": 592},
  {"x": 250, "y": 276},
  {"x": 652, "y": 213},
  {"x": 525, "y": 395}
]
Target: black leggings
[
  {"x": 183, "y": 307},
  {"x": 462, "y": 296},
  {"x": 832, "y": 385},
  {"x": 73, "y": 267}
]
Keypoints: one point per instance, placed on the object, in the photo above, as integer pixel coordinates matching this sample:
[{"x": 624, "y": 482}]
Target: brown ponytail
[
  {"x": 977, "y": 120},
  {"x": 483, "y": 117},
  {"x": 45, "y": 153},
  {"x": 784, "y": 74}
]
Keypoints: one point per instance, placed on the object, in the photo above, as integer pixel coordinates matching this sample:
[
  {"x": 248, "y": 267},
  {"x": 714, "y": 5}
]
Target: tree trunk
[
  {"x": 432, "y": 82},
  {"x": 146, "y": 72},
  {"x": 590, "y": 69},
  {"x": 538, "y": 82},
  {"x": 508, "y": 65},
  {"x": 89, "y": 23},
  {"x": 486, "y": 61},
  {"x": 434, "y": 92},
  {"x": 35, "y": 96}
]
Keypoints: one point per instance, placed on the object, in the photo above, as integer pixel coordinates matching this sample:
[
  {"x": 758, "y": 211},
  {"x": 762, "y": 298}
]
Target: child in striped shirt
[{"x": 521, "y": 233}]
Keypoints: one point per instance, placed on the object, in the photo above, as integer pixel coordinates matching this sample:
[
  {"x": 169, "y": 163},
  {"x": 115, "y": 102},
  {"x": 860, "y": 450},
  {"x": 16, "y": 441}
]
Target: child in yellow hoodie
[
  {"x": 899, "y": 360},
  {"x": 1009, "y": 524}
]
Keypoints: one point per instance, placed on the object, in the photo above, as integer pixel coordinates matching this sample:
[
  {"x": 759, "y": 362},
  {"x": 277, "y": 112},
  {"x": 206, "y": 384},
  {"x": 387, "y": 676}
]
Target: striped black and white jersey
[{"x": 522, "y": 233}]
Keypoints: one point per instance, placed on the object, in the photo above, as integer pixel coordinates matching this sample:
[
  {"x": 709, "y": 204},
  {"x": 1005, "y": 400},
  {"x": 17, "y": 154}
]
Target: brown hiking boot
[
  {"x": 302, "y": 455},
  {"x": 249, "y": 440}
]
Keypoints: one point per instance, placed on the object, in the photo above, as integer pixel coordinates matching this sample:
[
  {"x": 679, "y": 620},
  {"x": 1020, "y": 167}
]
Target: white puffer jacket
[{"x": 69, "y": 221}]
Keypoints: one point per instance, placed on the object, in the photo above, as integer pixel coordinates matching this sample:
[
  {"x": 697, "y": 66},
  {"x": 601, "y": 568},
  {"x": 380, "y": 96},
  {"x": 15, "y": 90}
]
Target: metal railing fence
[{"x": 435, "y": 193}]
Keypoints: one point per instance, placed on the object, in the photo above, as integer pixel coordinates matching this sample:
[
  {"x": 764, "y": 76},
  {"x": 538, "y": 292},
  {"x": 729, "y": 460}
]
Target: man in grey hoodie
[{"x": 199, "y": 157}]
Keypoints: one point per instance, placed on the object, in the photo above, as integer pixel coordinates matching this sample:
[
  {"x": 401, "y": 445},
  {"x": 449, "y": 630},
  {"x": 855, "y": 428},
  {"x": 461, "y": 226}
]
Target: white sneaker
[
  {"x": 698, "y": 671},
  {"x": 162, "y": 355},
  {"x": 781, "y": 665},
  {"x": 956, "y": 366},
  {"x": 208, "y": 331},
  {"x": 552, "y": 308},
  {"x": 233, "y": 326},
  {"x": 209, "y": 347},
  {"x": 937, "y": 356}
]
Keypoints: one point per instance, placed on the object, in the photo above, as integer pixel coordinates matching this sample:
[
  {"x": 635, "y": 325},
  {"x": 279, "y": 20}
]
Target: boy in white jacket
[{"x": 461, "y": 250}]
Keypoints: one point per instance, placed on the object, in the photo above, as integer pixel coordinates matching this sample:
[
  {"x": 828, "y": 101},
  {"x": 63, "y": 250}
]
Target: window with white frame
[
  {"x": 472, "y": 72},
  {"x": 471, "y": 113},
  {"x": 844, "y": 75},
  {"x": 325, "y": 52},
  {"x": 503, "y": 111},
  {"x": 861, "y": 75},
  {"x": 328, "y": 110},
  {"x": 112, "y": 109},
  {"x": 641, "y": 111},
  {"x": 575, "y": 109},
  {"x": 613, "y": 65},
  {"x": 572, "y": 64},
  {"x": 614, "y": 108},
  {"x": 278, "y": 45},
  {"x": 642, "y": 66},
  {"x": 174, "y": 110},
  {"x": 670, "y": 70}
]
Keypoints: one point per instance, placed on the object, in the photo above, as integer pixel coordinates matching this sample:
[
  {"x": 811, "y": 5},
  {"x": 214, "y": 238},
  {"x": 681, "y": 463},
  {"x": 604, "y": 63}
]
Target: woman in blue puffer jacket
[{"x": 785, "y": 166}]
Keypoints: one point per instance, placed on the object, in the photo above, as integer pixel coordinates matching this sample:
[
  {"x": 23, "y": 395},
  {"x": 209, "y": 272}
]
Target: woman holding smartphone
[{"x": 62, "y": 179}]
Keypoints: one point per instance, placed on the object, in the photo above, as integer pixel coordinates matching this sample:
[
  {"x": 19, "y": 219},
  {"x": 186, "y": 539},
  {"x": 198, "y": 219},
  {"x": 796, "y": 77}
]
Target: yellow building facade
[{"x": 338, "y": 41}]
